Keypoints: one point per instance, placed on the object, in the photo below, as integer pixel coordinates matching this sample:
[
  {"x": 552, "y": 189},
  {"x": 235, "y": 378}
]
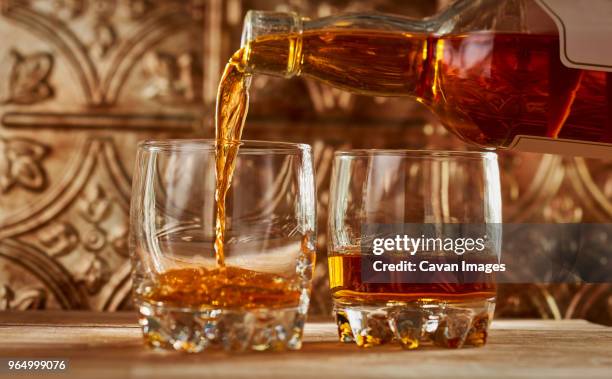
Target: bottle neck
[
  {"x": 277, "y": 55},
  {"x": 366, "y": 54},
  {"x": 272, "y": 43}
]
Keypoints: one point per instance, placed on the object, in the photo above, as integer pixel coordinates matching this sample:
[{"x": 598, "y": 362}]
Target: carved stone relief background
[{"x": 81, "y": 81}]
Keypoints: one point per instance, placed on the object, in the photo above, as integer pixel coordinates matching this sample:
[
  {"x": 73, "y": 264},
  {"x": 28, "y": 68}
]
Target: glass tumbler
[
  {"x": 440, "y": 290},
  {"x": 257, "y": 299}
]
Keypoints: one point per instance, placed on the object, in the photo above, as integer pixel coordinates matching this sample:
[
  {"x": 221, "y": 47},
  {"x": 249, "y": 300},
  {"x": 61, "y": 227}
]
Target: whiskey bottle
[{"x": 518, "y": 74}]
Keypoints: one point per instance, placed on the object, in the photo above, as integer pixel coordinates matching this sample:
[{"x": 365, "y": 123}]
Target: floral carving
[
  {"x": 105, "y": 38},
  {"x": 119, "y": 242},
  {"x": 94, "y": 49},
  {"x": 96, "y": 276},
  {"x": 105, "y": 34},
  {"x": 73, "y": 8},
  {"x": 95, "y": 207},
  {"x": 30, "y": 298},
  {"x": 95, "y": 204},
  {"x": 102, "y": 40},
  {"x": 563, "y": 209},
  {"x": 21, "y": 164},
  {"x": 91, "y": 234},
  {"x": 59, "y": 239},
  {"x": 29, "y": 78},
  {"x": 171, "y": 77},
  {"x": 139, "y": 8},
  {"x": 104, "y": 8}
]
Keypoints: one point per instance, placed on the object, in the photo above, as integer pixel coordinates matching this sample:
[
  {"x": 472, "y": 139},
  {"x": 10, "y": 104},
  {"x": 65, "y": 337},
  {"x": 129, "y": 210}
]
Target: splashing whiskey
[
  {"x": 231, "y": 112},
  {"x": 225, "y": 286}
]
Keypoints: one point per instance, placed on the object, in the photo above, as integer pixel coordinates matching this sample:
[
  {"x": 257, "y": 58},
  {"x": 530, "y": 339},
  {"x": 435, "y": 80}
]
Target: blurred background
[{"x": 82, "y": 81}]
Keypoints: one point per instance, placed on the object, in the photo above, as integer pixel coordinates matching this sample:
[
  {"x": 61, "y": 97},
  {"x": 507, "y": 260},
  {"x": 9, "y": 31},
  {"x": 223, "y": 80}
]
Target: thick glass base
[
  {"x": 415, "y": 324},
  {"x": 194, "y": 330}
]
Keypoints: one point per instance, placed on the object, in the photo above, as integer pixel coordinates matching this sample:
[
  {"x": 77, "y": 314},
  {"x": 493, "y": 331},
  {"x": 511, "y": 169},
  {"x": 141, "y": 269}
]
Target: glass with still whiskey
[
  {"x": 222, "y": 257},
  {"x": 414, "y": 245}
]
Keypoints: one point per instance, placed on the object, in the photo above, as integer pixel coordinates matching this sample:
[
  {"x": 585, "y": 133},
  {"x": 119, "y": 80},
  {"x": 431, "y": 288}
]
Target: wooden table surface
[{"x": 109, "y": 345}]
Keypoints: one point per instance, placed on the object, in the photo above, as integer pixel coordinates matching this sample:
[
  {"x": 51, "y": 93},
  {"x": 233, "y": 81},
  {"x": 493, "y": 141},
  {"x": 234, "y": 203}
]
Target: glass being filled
[{"x": 256, "y": 296}]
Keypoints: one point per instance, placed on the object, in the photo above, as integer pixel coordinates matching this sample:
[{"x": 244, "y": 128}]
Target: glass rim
[
  {"x": 415, "y": 153},
  {"x": 209, "y": 144}
]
